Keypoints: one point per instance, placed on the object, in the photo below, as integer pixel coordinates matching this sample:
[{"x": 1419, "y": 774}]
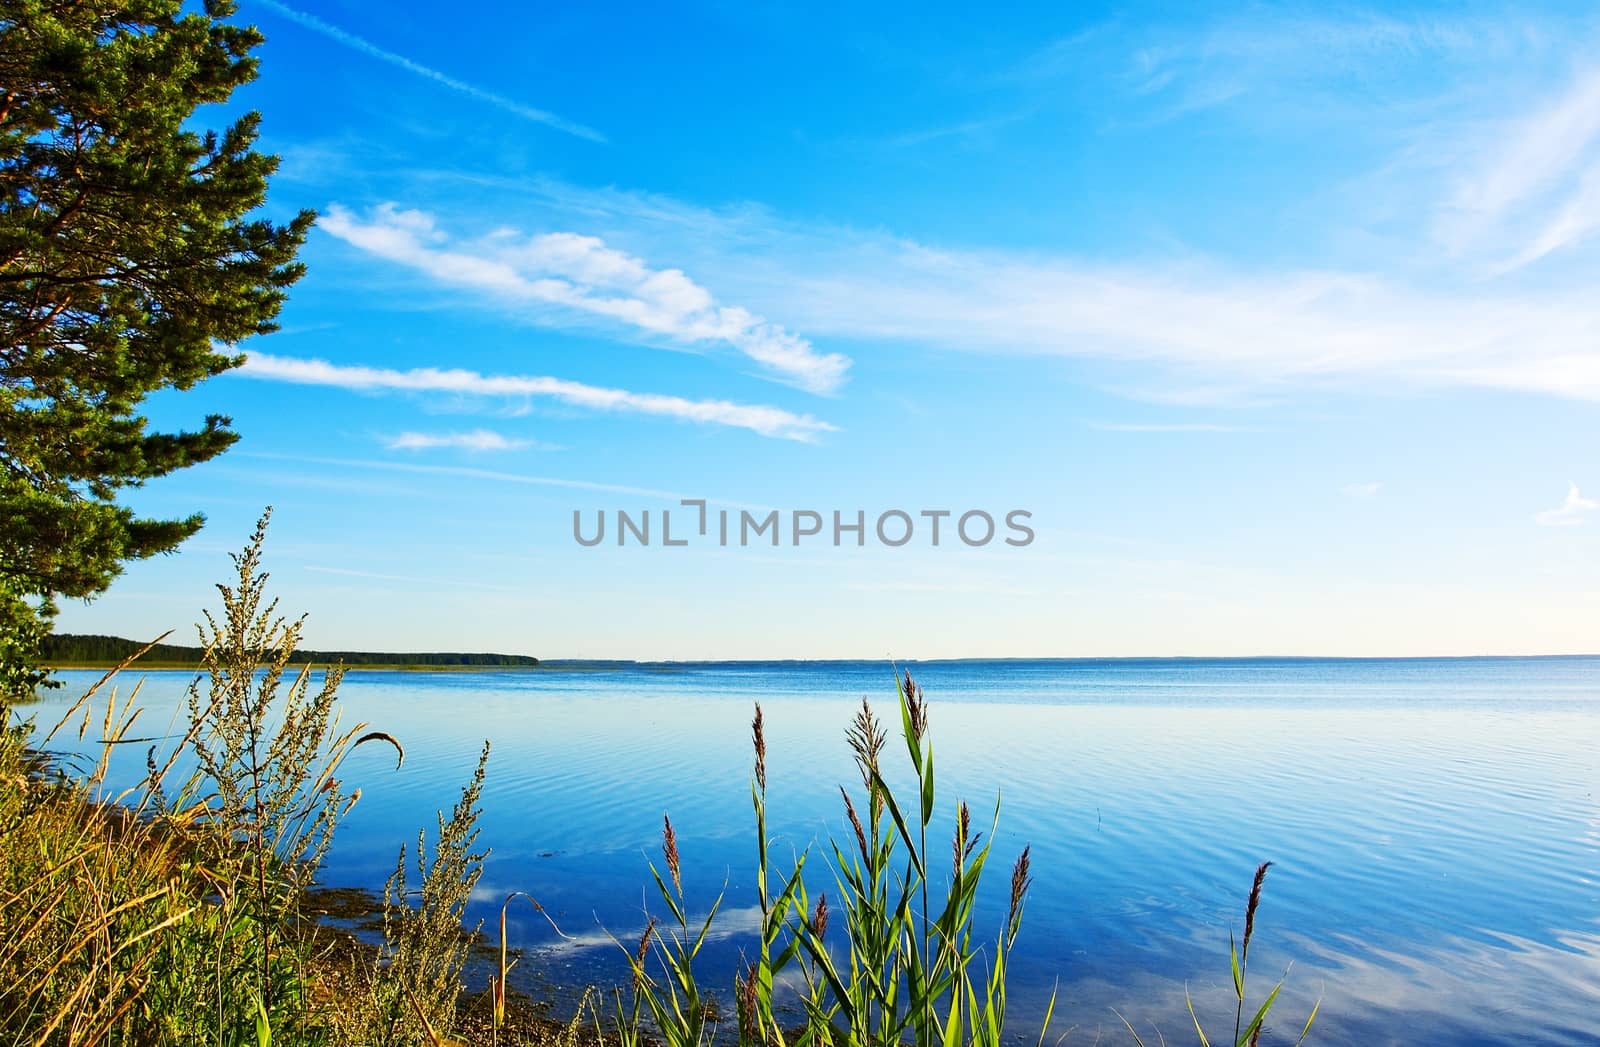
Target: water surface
[{"x": 1433, "y": 823}]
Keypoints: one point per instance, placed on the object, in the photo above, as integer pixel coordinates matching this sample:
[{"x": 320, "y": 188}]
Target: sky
[{"x": 1277, "y": 324}]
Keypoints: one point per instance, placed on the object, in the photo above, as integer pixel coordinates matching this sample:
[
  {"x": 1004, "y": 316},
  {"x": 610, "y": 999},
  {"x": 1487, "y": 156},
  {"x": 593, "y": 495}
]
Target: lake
[{"x": 1433, "y": 823}]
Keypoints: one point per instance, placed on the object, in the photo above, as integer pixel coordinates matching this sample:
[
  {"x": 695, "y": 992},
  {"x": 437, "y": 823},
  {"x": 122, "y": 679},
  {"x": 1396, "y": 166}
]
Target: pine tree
[{"x": 129, "y": 263}]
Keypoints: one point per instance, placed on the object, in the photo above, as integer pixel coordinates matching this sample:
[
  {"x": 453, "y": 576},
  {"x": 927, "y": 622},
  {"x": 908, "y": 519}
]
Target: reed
[
  {"x": 681, "y": 1013},
  {"x": 911, "y": 972},
  {"x": 905, "y": 967}
]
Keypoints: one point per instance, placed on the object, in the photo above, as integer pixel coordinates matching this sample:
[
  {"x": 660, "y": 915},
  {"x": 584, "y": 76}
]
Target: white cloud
[
  {"x": 371, "y": 49},
  {"x": 768, "y": 421},
  {"x": 1363, "y": 491},
  {"x": 476, "y": 440},
  {"x": 1573, "y": 511},
  {"x": 581, "y": 274}
]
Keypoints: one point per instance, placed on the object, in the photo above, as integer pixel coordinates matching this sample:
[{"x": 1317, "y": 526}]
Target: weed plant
[{"x": 172, "y": 912}]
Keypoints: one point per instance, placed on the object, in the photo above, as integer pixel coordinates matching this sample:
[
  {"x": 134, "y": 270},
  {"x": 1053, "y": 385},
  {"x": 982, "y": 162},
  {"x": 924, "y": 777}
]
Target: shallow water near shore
[{"x": 1434, "y": 823}]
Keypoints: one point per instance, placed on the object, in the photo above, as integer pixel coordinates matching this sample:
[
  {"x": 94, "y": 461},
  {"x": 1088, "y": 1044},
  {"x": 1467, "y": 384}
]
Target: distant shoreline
[
  {"x": 93, "y": 651},
  {"x": 601, "y": 665}
]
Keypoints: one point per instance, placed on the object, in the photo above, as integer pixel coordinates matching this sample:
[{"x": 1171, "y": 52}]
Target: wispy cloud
[
  {"x": 583, "y": 275},
  {"x": 371, "y": 49},
  {"x": 1183, "y": 65},
  {"x": 1363, "y": 491},
  {"x": 411, "y": 579},
  {"x": 1256, "y": 49},
  {"x": 1209, "y": 331},
  {"x": 964, "y": 130},
  {"x": 1540, "y": 173},
  {"x": 1165, "y": 427},
  {"x": 759, "y": 418},
  {"x": 475, "y": 440},
  {"x": 1572, "y": 511},
  {"x": 501, "y": 477}
]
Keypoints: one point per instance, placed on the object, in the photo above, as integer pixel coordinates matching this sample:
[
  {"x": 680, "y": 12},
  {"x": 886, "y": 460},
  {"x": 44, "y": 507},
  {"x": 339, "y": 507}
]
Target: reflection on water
[{"x": 1434, "y": 823}]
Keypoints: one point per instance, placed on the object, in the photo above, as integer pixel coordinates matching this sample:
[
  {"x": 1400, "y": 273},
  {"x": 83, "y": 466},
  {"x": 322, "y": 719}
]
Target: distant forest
[{"x": 81, "y": 649}]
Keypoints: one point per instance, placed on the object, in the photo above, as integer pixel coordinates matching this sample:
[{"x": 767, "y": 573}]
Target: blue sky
[{"x": 1279, "y": 321}]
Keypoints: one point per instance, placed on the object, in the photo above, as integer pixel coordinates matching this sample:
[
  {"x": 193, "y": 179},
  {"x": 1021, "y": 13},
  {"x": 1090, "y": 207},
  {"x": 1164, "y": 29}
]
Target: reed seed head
[
  {"x": 819, "y": 918},
  {"x": 642, "y": 952},
  {"x": 760, "y": 738},
  {"x": 866, "y": 741},
  {"x": 1250, "y": 908},
  {"x": 916, "y": 706},
  {"x": 1020, "y": 880},
  {"x": 965, "y": 840},
  {"x": 669, "y": 850},
  {"x": 855, "y": 823}
]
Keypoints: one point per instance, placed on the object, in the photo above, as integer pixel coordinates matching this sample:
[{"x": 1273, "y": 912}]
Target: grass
[{"x": 177, "y": 911}]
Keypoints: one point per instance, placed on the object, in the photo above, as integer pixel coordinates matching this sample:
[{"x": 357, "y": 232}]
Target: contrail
[{"x": 367, "y": 47}]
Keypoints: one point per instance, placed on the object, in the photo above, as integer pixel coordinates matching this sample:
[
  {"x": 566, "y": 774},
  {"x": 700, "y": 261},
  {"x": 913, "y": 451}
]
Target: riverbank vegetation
[{"x": 176, "y": 911}]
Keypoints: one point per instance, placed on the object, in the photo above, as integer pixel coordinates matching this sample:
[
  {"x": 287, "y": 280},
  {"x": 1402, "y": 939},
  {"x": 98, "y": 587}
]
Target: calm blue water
[{"x": 1434, "y": 823}]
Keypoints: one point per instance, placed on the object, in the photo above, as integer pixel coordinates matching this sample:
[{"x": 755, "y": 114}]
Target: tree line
[{"x": 83, "y": 648}]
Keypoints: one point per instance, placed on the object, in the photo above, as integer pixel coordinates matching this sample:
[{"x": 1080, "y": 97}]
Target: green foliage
[
  {"x": 126, "y": 261},
  {"x": 22, "y": 638}
]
